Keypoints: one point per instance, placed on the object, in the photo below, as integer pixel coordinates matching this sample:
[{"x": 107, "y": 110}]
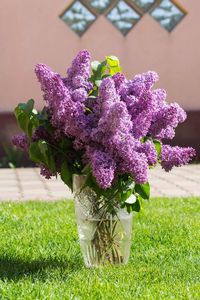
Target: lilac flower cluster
[
  {"x": 103, "y": 166},
  {"x": 115, "y": 129},
  {"x": 175, "y": 156},
  {"x": 20, "y": 141},
  {"x": 44, "y": 171}
]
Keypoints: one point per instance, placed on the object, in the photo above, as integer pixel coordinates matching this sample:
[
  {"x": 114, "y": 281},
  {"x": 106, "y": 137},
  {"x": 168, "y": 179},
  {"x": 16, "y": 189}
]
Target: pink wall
[{"x": 31, "y": 32}]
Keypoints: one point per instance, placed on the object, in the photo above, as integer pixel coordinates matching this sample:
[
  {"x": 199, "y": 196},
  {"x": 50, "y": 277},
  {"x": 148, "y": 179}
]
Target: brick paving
[{"x": 27, "y": 184}]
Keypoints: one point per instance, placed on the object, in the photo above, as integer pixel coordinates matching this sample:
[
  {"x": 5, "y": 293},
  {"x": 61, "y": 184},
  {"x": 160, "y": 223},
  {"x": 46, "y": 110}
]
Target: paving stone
[{"x": 27, "y": 184}]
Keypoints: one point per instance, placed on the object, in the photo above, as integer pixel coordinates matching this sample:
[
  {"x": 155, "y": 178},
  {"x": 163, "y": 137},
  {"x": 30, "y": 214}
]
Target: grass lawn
[{"x": 40, "y": 255}]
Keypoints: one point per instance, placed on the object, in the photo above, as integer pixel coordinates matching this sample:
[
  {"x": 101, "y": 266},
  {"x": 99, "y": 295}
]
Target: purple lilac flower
[
  {"x": 108, "y": 128},
  {"x": 169, "y": 116},
  {"x": 159, "y": 97},
  {"x": 149, "y": 150},
  {"x": 20, "y": 141},
  {"x": 136, "y": 87},
  {"x": 141, "y": 124},
  {"x": 107, "y": 94},
  {"x": 145, "y": 103},
  {"x": 141, "y": 110},
  {"x": 79, "y": 72},
  {"x": 140, "y": 84},
  {"x": 45, "y": 75},
  {"x": 181, "y": 114},
  {"x": 103, "y": 167},
  {"x": 124, "y": 147},
  {"x": 45, "y": 172},
  {"x": 150, "y": 78},
  {"x": 137, "y": 167},
  {"x": 119, "y": 80},
  {"x": 175, "y": 156},
  {"x": 114, "y": 120},
  {"x": 167, "y": 133},
  {"x": 40, "y": 134},
  {"x": 79, "y": 95},
  {"x": 67, "y": 115}
]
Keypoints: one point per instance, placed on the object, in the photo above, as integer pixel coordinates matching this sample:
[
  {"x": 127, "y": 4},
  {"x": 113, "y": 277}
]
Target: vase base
[{"x": 116, "y": 255}]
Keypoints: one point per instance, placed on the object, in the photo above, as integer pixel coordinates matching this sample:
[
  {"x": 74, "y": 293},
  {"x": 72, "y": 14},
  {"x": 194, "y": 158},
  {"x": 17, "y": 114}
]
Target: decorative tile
[
  {"x": 123, "y": 17},
  {"x": 145, "y": 5},
  {"x": 100, "y": 5},
  {"x": 78, "y": 17},
  {"x": 167, "y": 14}
]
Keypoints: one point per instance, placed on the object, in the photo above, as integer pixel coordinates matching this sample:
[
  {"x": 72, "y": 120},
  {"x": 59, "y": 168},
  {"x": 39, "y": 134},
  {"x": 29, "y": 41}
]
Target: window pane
[
  {"x": 78, "y": 17},
  {"x": 144, "y": 4},
  {"x": 100, "y": 5},
  {"x": 123, "y": 17},
  {"x": 167, "y": 14}
]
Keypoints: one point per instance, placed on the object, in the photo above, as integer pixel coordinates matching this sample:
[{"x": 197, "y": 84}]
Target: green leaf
[
  {"x": 158, "y": 146},
  {"x": 27, "y": 107},
  {"x": 99, "y": 69},
  {"x": 43, "y": 115},
  {"x": 66, "y": 175},
  {"x": 40, "y": 152},
  {"x": 112, "y": 60},
  {"x": 145, "y": 139},
  {"x": 98, "y": 82},
  {"x": 23, "y": 121},
  {"x": 126, "y": 195},
  {"x": 86, "y": 170},
  {"x": 143, "y": 190},
  {"x": 136, "y": 206},
  {"x": 126, "y": 183},
  {"x": 113, "y": 65},
  {"x": 106, "y": 76},
  {"x": 95, "y": 64},
  {"x": 26, "y": 118},
  {"x": 35, "y": 153},
  {"x": 64, "y": 144}
]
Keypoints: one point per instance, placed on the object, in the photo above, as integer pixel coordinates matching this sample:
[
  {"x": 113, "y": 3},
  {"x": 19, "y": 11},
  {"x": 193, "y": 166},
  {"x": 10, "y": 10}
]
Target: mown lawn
[{"x": 40, "y": 255}]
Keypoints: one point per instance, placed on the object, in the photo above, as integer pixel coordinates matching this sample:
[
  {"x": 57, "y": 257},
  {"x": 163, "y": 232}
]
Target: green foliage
[
  {"x": 135, "y": 206},
  {"x": 40, "y": 254},
  {"x": 101, "y": 70},
  {"x": 27, "y": 117},
  {"x": 128, "y": 188},
  {"x": 113, "y": 65},
  {"x": 158, "y": 146},
  {"x": 12, "y": 157},
  {"x": 66, "y": 174},
  {"x": 91, "y": 182},
  {"x": 143, "y": 190},
  {"x": 120, "y": 192},
  {"x": 48, "y": 153},
  {"x": 41, "y": 152}
]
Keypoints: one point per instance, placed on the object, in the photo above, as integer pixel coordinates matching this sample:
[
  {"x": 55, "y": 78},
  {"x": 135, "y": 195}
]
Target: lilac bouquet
[
  {"x": 109, "y": 130},
  {"x": 102, "y": 125}
]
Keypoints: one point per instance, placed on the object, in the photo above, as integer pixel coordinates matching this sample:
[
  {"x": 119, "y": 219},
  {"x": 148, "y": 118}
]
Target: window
[
  {"x": 78, "y": 17},
  {"x": 123, "y": 17},
  {"x": 123, "y": 14},
  {"x": 145, "y": 5},
  {"x": 168, "y": 14},
  {"x": 100, "y": 5}
]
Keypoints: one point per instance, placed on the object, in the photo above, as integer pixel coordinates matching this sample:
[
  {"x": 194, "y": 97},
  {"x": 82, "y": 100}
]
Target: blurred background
[{"x": 160, "y": 35}]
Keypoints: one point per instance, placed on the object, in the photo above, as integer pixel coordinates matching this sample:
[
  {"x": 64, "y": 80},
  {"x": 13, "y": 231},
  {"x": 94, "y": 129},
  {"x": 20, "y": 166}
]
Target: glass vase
[{"x": 104, "y": 237}]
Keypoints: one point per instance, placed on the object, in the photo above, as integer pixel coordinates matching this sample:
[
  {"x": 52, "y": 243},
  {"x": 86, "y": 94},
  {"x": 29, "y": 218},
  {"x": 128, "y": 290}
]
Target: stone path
[{"x": 27, "y": 184}]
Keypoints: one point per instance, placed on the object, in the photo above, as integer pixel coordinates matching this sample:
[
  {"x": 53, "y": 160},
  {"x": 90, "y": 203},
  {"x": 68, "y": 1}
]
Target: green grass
[{"x": 40, "y": 255}]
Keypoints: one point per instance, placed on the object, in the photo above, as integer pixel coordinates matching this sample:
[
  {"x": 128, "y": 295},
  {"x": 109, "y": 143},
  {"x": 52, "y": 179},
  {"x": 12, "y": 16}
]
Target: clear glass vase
[{"x": 104, "y": 237}]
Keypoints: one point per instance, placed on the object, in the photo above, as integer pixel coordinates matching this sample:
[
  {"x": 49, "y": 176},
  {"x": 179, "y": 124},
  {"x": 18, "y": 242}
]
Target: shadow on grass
[{"x": 15, "y": 269}]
